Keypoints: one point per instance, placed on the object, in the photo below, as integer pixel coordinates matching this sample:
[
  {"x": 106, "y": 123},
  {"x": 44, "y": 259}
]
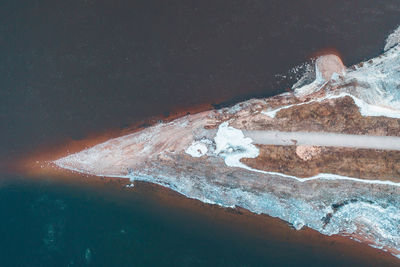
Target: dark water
[
  {"x": 46, "y": 223},
  {"x": 71, "y": 68}
]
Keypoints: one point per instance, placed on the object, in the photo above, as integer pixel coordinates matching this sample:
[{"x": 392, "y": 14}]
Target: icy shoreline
[{"x": 206, "y": 164}]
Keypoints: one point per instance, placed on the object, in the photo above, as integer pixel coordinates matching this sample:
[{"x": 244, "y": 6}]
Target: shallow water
[{"x": 71, "y": 69}]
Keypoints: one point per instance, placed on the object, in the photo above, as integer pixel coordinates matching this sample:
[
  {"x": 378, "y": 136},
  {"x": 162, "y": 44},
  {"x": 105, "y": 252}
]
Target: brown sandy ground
[
  {"x": 306, "y": 161},
  {"x": 334, "y": 115}
]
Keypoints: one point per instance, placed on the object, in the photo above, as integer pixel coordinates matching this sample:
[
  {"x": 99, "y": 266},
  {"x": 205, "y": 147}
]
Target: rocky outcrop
[{"x": 329, "y": 65}]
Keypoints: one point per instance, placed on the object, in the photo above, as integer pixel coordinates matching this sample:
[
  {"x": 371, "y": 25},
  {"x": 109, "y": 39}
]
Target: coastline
[
  {"x": 258, "y": 226},
  {"x": 43, "y": 164},
  {"x": 77, "y": 75}
]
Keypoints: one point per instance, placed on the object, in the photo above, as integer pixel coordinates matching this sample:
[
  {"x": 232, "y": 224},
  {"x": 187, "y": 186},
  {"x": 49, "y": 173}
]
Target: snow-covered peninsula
[{"x": 325, "y": 156}]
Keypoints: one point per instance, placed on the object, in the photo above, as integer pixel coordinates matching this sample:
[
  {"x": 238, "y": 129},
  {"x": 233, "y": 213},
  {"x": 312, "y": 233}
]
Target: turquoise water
[{"x": 46, "y": 223}]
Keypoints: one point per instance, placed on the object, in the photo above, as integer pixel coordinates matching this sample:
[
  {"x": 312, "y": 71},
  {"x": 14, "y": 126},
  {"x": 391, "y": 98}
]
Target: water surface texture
[{"x": 72, "y": 68}]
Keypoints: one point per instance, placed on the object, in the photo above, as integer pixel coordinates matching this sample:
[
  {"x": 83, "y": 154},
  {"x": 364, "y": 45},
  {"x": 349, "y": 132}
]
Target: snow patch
[
  {"x": 375, "y": 110},
  {"x": 232, "y": 145},
  {"x": 197, "y": 149}
]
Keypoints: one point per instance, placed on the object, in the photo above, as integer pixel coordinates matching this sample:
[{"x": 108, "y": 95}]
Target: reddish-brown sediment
[
  {"x": 307, "y": 161},
  {"x": 39, "y": 162}
]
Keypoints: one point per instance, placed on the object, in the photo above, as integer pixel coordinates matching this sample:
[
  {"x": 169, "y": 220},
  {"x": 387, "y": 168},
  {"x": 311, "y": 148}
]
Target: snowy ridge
[{"x": 393, "y": 39}]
